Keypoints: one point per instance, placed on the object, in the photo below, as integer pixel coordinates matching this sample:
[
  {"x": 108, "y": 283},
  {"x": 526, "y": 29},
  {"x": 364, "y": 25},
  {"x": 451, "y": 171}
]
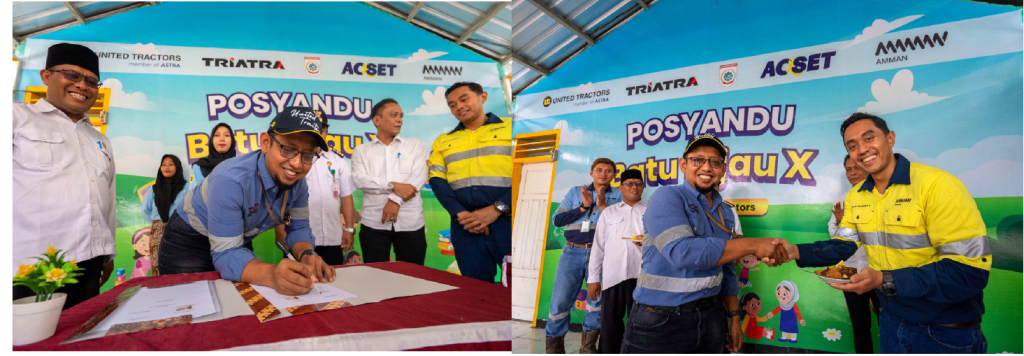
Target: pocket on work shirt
[
  {"x": 40, "y": 148},
  {"x": 100, "y": 160}
]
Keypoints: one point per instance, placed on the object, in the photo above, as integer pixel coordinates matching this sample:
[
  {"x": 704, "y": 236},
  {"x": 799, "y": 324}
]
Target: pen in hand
[{"x": 290, "y": 257}]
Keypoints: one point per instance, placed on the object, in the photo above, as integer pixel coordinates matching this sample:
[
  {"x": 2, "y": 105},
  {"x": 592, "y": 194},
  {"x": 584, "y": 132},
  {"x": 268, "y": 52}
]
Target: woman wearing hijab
[
  {"x": 221, "y": 147},
  {"x": 160, "y": 201},
  {"x": 787, "y": 294}
]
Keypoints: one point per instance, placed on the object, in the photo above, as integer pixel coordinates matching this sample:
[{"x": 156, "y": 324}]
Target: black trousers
[
  {"x": 332, "y": 255},
  {"x": 410, "y": 246},
  {"x": 88, "y": 285},
  {"x": 860, "y": 317},
  {"x": 616, "y": 303}
]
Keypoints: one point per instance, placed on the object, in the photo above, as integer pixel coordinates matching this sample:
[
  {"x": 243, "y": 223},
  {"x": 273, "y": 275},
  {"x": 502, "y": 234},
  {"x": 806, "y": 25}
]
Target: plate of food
[{"x": 838, "y": 274}]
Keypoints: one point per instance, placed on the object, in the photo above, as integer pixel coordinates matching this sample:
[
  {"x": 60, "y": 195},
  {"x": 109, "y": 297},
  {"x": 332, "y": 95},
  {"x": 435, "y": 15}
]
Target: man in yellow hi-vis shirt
[
  {"x": 471, "y": 175},
  {"x": 927, "y": 248}
]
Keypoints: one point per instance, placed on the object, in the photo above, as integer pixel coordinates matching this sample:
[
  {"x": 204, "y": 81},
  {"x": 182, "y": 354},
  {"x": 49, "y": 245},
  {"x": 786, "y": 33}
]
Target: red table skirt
[{"x": 474, "y": 301}]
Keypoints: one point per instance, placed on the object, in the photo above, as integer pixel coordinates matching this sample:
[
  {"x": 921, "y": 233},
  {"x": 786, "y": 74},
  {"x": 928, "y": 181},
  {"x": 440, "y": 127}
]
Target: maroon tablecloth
[{"x": 473, "y": 301}]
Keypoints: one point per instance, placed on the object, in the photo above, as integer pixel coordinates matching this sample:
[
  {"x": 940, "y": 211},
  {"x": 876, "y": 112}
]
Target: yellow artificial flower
[
  {"x": 74, "y": 264},
  {"x": 24, "y": 270},
  {"x": 51, "y": 251},
  {"x": 55, "y": 275}
]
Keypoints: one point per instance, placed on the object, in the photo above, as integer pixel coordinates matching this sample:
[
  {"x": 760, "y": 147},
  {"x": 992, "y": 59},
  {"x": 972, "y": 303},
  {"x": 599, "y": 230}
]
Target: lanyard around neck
[
  {"x": 721, "y": 222},
  {"x": 286, "y": 219}
]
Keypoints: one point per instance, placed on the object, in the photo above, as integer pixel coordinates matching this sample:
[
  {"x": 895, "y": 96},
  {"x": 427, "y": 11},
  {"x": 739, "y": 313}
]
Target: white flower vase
[{"x": 36, "y": 321}]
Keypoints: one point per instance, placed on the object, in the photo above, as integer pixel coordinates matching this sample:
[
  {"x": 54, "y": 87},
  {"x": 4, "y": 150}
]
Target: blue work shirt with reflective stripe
[
  {"x": 228, "y": 207},
  {"x": 681, "y": 248},
  {"x": 570, "y": 216}
]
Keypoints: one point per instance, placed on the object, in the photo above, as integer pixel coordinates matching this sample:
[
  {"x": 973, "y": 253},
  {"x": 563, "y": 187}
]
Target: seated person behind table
[{"x": 265, "y": 188}]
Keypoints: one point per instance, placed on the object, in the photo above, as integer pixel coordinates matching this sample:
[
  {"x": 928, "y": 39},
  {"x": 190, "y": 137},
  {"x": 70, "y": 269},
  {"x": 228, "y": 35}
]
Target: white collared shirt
[
  {"x": 324, "y": 207},
  {"x": 63, "y": 194},
  {"x": 612, "y": 257},
  {"x": 374, "y": 165}
]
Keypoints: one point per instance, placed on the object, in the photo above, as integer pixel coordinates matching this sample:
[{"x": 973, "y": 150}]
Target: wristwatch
[
  {"x": 888, "y": 287},
  {"x": 308, "y": 251},
  {"x": 391, "y": 186},
  {"x": 500, "y": 205},
  {"x": 350, "y": 230},
  {"x": 737, "y": 312}
]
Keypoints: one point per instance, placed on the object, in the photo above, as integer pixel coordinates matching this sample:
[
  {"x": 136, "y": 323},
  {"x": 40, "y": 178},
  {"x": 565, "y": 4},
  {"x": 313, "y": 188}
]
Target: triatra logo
[
  {"x": 652, "y": 87},
  {"x": 243, "y": 63}
]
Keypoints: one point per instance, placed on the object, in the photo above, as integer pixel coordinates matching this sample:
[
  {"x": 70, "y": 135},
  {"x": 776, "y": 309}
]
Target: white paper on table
[
  {"x": 148, "y": 304},
  {"x": 280, "y": 301}
]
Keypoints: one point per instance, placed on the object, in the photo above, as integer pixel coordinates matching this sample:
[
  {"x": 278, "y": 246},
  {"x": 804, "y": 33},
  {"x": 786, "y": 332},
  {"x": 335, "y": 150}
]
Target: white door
[{"x": 528, "y": 234}]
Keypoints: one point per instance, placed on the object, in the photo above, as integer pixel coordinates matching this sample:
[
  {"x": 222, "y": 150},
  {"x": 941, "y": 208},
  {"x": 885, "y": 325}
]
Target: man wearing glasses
[
  {"x": 63, "y": 174},
  {"x": 686, "y": 290},
  {"x": 265, "y": 188}
]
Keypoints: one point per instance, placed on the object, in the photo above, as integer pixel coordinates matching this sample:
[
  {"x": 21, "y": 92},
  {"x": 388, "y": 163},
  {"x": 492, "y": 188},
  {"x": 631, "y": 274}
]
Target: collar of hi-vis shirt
[
  {"x": 491, "y": 119},
  {"x": 900, "y": 175}
]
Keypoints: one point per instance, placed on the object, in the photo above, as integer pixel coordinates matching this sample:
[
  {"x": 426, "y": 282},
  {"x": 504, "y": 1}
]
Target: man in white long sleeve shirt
[
  {"x": 390, "y": 170},
  {"x": 860, "y": 310},
  {"x": 615, "y": 259},
  {"x": 63, "y": 175}
]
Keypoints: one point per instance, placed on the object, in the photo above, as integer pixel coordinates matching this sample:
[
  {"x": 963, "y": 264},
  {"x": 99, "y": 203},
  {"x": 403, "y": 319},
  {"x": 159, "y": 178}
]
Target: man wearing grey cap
[
  {"x": 246, "y": 196},
  {"x": 63, "y": 174}
]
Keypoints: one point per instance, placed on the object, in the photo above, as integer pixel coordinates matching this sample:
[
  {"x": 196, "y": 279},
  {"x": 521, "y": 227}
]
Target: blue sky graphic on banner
[
  {"x": 178, "y": 69},
  {"x": 774, "y": 80}
]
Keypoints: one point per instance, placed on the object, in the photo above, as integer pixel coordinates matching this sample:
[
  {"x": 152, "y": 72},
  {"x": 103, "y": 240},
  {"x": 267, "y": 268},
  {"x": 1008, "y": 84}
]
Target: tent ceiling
[
  {"x": 482, "y": 27},
  {"x": 33, "y": 18},
  {"x": 549, "y": 33}
]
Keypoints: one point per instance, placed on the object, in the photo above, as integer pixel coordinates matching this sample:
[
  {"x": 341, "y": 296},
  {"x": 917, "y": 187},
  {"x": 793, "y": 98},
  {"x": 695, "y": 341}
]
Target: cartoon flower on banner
[{"x": 832, "y": 334}]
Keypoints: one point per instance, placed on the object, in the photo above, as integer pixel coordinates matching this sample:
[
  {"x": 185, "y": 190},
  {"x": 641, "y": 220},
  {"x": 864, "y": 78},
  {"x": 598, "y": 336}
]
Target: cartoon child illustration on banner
[
  {"x": 140, "y": 242},
  {"x": 787, "y": 295},
  {"x": 751, "y": 304},
  {"x": 747, "y": 262}
]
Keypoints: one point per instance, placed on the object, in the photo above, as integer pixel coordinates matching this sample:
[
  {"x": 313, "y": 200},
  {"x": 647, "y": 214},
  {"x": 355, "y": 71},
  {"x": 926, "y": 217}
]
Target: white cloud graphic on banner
[
  {"x": 880, "y": 27},
  {"x": 959, "y": 160},
  {"x": 567, "y": 179},
  {"x": 433, "y": 103},
  {"x": 896, "y": 96},
  {"x": 136, "y": 157},
  {"x": 584, "y": 88},
  {"x": 1000, "y": 178},
  {"x": 738, "y": 190},
  {"x": 578, "y": 137},
  {"x": 148, "y": 48},
  {"x": 120, "y": 99},
  {"x": 423, "y": 55}
]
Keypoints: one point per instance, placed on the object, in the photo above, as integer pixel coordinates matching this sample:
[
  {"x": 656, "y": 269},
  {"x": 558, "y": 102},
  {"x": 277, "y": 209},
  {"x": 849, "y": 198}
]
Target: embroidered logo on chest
[{"x": 253, "y": 210}]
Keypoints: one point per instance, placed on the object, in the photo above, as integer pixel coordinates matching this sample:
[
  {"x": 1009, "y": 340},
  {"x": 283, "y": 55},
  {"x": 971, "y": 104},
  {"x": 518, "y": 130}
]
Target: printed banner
[
  {"x": 170, "y": 89},
  {"x": 947, "y": 78}
]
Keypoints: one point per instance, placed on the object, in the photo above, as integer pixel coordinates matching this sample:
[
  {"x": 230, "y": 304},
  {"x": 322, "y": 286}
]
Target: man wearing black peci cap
[
  {"x": 615, "y": 259},
  {"x": 685, "y": 298},
  {"x": 265, "y": 188},
  {"x": 63, "y": 174}
]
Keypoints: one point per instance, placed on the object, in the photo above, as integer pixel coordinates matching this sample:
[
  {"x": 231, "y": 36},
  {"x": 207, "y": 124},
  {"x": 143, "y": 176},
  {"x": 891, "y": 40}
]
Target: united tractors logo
[
  {"x": 547, "y": 101},
  {"x": 313, "y": 65},
  {"x": 727, "y": 74}
]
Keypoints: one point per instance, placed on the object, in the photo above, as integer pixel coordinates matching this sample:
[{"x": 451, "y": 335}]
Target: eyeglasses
[
  {"x": 77, "y": 77},
  {"x": 633, "y": 184},
  {"x": 289, "y": 153},
  {"x": 699, "y": 162}
]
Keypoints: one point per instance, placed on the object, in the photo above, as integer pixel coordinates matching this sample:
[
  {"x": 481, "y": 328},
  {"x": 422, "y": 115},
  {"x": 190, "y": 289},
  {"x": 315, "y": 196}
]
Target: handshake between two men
[{"x": 776, "y": 251}]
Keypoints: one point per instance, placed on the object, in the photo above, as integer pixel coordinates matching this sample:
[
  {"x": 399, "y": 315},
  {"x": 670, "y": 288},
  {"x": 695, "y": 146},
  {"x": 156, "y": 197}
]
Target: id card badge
[{"x": 586, "y": 226}]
